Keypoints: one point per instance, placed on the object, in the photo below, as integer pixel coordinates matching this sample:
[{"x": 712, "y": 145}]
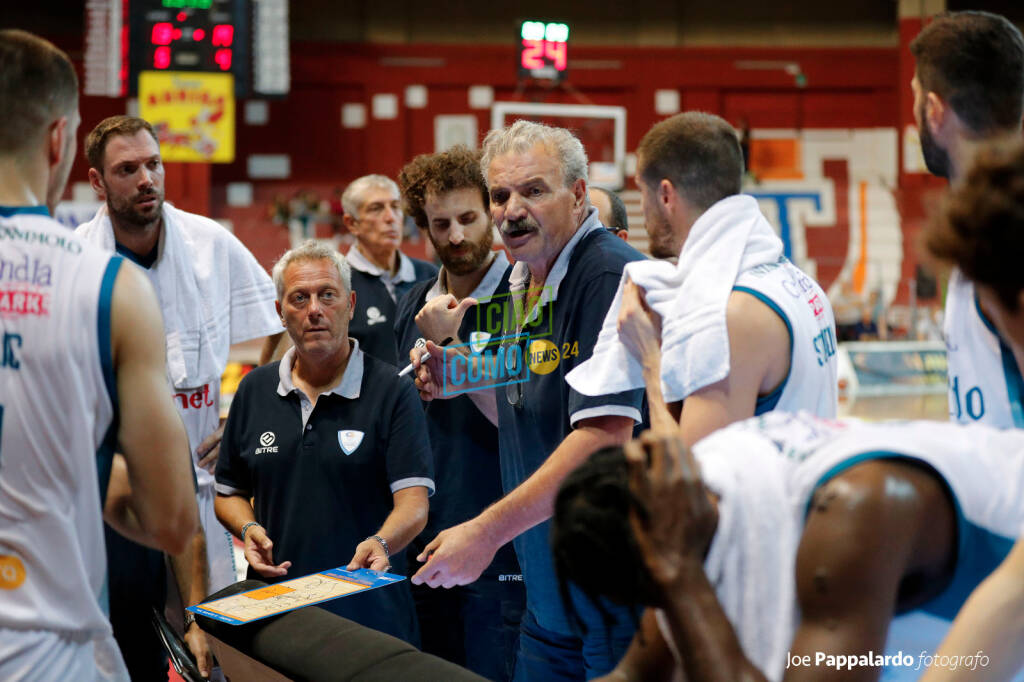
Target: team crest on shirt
[
  {"x": 478, "y": 341},
  {"x": 374, "y": 315},
  {"x": 349, "y": 440}
]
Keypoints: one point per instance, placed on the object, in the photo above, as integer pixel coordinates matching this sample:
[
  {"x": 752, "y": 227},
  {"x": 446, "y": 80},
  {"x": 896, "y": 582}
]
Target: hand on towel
[
  {"x": 676, "y": 522},
  {"x": 639, "y": 327}
]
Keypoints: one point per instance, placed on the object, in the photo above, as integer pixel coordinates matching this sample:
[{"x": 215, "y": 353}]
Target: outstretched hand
[
  {"x": 457, "y": 556},
  {"x": 259, "y": 552}
]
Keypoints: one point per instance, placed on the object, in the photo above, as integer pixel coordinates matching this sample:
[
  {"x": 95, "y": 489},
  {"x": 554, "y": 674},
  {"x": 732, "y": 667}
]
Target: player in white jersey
[
  {"x": 780, "y": 338},
  {"x": 968, "y": 88},
  {"x": 81, "y": 372},
  {"x": 981, "y": 231},
  {"x": 781, "y": 330},
  {"x": 788, "y": 536}
]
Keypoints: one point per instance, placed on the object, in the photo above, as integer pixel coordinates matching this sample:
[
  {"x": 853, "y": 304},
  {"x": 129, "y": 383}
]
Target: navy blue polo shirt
[
  {"x": 323, "y": 480},
  {"x": 464, "y": 442},
  {"x": 579, "y": 291},
  {"x": 373, "y": 322}
]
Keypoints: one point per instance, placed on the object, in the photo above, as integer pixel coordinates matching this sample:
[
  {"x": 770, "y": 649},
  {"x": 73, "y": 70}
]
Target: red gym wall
[{"x": 845, "y": 88}]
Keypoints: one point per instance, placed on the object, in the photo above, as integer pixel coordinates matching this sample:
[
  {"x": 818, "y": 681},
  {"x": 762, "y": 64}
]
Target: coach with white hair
[
  {"x": 331, "y": 446},
  {"x": 566, "y": 274}
]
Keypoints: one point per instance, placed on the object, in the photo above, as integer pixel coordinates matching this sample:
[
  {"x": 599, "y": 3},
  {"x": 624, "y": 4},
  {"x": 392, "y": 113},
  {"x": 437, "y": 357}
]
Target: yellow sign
[{"x": 193, "y": 114}]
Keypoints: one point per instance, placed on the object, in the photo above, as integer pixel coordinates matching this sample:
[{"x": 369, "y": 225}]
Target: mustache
[{"x": 521, "y": 225}]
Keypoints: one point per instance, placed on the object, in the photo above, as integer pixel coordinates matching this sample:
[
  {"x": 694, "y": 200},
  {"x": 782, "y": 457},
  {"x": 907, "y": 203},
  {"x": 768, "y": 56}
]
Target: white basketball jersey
[
  {"x": 56, "y": 412},
  {"x": 812, "y": 383},
  {"x": 982, "y": 466},
  {"x": 984, "y": 381}
]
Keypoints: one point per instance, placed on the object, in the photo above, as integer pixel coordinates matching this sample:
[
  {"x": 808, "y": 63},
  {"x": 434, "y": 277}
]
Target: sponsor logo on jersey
[
  {"x": 349, "y": 440},
  {"x": 22, "y": 302},
  {"x": 198, "y": 399},
  {"x": 10, "y": 350},
  {"x": 267, "y": 440},
  {"x": 54, "y": 240},
  {"x": 374, "y": 316},
  {"x": 31, "y": 271}
]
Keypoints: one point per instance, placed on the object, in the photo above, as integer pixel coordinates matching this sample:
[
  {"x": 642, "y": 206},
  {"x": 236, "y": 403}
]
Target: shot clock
[{"x": 543, "y": 50}]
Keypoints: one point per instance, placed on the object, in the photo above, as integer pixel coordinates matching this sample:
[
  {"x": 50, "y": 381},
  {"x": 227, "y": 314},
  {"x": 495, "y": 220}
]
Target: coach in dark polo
[{"x": 332, "y": 448}]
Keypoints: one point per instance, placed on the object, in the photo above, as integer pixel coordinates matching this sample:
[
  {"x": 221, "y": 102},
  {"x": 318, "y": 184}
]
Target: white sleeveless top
[
  {"x": 812, "y": 383},
  {"x": 56, "y": 427},
  {"x": 766, "y": 469},
  {"x": 984, "y": 381}
]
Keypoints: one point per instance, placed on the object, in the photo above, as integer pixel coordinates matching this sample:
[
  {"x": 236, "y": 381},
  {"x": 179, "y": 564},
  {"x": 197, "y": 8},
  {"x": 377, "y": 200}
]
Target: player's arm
[
  {"x": 857, "y": 544},
  {"x": 458, "y": 555},
  {"x": 151, "y": 435},
  {"x": 404, "y": 523},
  {"x": 759, "y": 359},
  {"x": 992, "y": 621},
  {"x": 673, "y": 538}
]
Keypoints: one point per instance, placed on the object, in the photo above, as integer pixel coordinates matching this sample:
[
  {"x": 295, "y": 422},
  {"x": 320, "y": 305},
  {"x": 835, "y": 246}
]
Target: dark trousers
[
  {"x": 476, "y": 625},
  {"x": 137, "y": 582},
  {"x": 549, "y": 656}
]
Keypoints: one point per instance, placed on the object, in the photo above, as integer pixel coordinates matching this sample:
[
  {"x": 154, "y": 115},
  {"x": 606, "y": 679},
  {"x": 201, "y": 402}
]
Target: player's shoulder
[{"x": 601, "y": 251}]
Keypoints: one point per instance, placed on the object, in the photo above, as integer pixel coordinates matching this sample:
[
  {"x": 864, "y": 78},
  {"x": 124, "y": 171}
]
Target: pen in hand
[{"x": 420, "y": 343}]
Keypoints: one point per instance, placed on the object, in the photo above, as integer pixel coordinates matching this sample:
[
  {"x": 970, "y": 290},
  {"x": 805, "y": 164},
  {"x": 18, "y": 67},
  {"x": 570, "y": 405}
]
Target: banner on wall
[{"x": 193, "y": 114}]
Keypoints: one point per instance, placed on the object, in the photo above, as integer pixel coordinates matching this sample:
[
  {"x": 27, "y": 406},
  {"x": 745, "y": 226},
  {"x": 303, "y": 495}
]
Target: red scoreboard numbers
[{"x": 543, "y": 50}]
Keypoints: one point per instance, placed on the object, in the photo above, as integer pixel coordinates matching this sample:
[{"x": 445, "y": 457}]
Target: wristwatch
[{"x": 189, "y": 619}]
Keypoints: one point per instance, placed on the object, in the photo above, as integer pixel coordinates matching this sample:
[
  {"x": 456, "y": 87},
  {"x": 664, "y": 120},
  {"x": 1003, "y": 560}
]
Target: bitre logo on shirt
[
  {"x": 373, "y": 316},
  {"x": 267, "y": 439}
]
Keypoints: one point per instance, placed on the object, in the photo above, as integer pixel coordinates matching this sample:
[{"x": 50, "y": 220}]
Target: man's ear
[
  {"x": 277, "y": 304},
  {"x": 667, "y": 195},
  {"x": 936, "y": 111},
  {"x": 57, "y": 141},
  {"x": 351, "y": 305},
  {"x": 350, "y": 222},
  {"x": 96, "y": 180},
  {"x": 579, "y": 193}
]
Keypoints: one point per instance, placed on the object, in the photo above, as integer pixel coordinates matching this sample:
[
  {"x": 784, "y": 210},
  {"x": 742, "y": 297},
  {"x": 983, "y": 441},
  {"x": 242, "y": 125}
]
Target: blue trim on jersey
[
  {"x": 8, "y": 211},
  {"x": 767, "y": 403},
  {"x": 979, "y": 550},
  {"x": 984, "y": 320},
  {"x": 1011, "y": 372},
  {"x": 105, "y": 452}
]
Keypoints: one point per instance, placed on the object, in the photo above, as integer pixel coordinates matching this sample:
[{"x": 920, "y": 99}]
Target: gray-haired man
[{"x": 566, "y": 274}]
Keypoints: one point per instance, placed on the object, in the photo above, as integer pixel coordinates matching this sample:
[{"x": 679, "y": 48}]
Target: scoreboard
[
  {"x": 189, "y": 35},
  {"x": 246, "y": 38}
]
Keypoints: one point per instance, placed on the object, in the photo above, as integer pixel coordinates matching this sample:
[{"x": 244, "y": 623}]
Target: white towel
[
  {"x": 729, "y": 238},
  {"x": 196, "y": 323},
  {"x": 751, "y": 563}
]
